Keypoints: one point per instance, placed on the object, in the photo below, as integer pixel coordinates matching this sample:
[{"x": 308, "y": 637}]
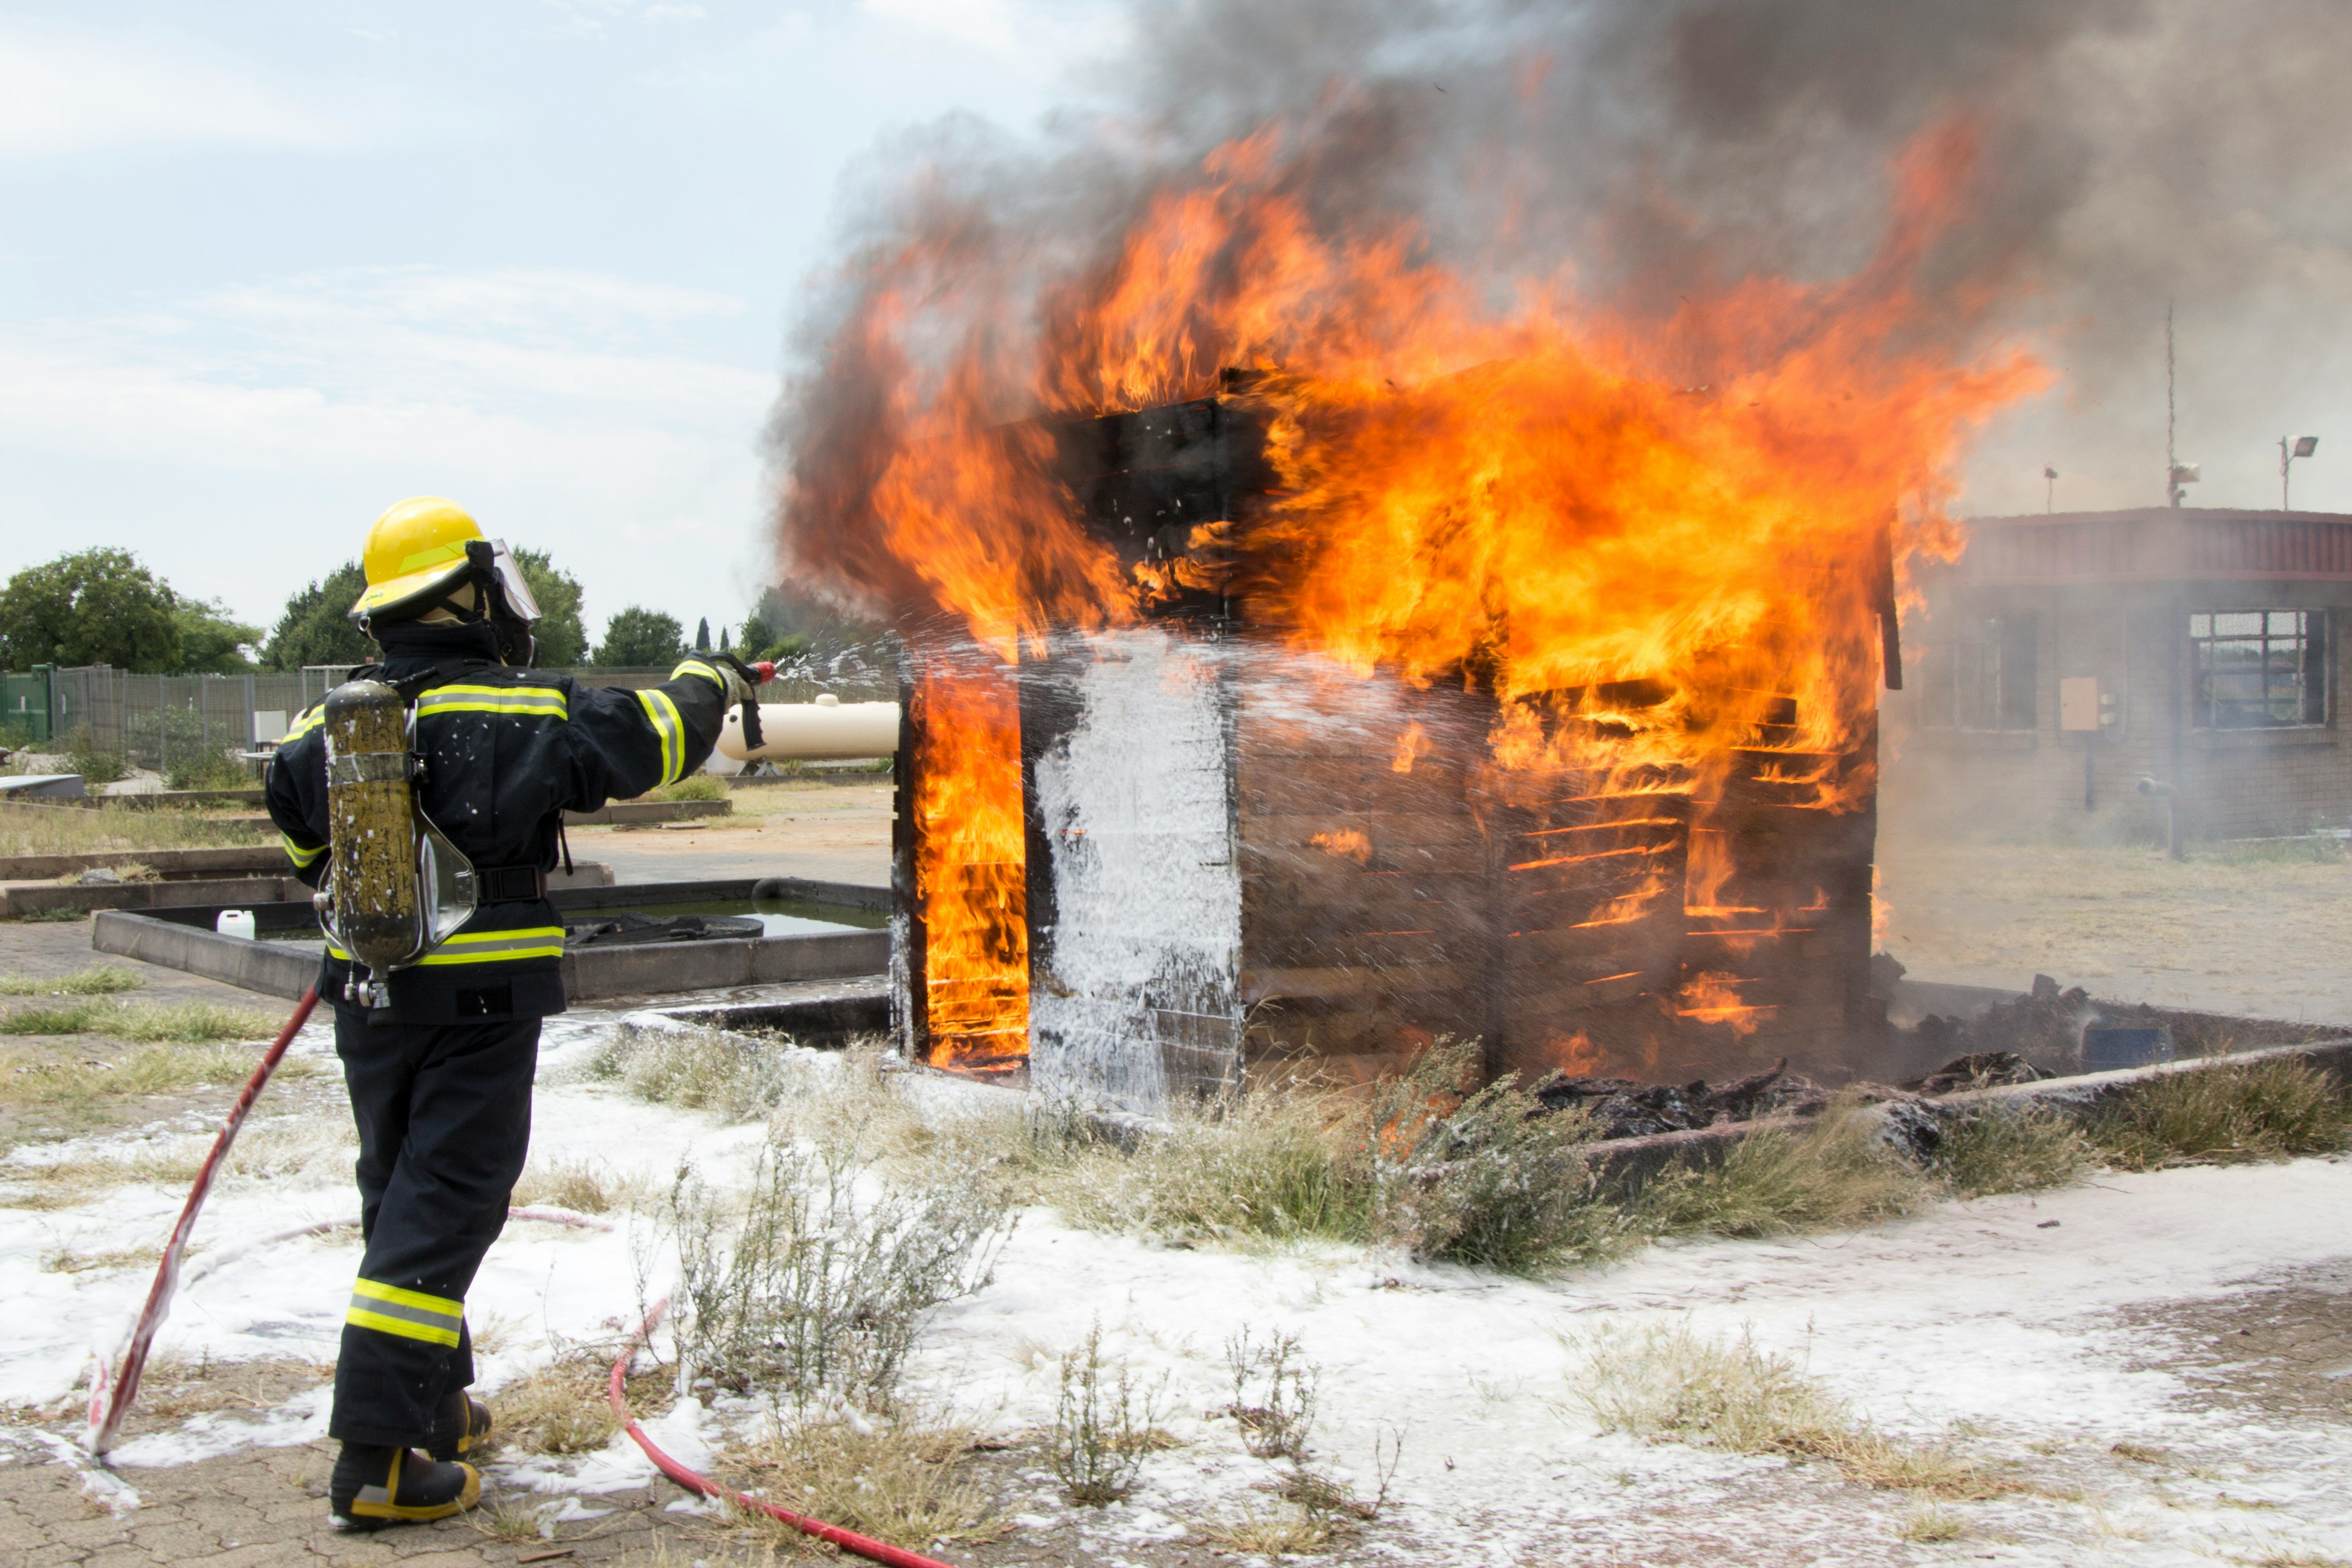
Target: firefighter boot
[
  {"x": 374, "y": 1486},
  {"x": 461, "y": 1425}
]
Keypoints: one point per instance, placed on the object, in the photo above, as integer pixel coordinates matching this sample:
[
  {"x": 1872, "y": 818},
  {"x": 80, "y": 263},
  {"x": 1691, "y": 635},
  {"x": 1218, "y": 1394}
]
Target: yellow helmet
[{"x": 416, "y": 548}]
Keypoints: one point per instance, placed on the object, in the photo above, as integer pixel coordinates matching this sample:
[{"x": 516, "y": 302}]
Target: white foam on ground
[{"x": 1980, "y": 1313}]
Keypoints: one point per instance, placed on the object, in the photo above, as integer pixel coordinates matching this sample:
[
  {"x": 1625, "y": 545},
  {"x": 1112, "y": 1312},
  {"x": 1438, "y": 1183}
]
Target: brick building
[{"x": 2063, "y": 658}]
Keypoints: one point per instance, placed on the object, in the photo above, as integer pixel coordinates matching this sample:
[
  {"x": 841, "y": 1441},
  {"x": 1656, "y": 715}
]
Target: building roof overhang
[{"x": 2158, "y": 545}]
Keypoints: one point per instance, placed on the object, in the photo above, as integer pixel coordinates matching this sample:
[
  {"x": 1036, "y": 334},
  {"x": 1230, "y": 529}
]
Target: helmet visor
[{"x": 511, "y": 580}]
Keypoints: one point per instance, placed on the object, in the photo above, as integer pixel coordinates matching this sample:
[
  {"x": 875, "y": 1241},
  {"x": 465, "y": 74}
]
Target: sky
[{"x": 271, "y": 265}]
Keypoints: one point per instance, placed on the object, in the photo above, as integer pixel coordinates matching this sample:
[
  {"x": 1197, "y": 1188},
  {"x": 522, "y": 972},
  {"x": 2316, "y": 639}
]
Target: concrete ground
[
  {"x": 833, "y": 833},
  {"x": 2260, "y": 931}
]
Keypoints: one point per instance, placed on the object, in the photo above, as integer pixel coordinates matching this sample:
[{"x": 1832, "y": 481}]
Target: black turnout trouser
[{"x": 443, "y": 1118}]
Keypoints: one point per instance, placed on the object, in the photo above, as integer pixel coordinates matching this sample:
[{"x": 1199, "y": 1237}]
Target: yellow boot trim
[{"x": 375, "y": 1502}]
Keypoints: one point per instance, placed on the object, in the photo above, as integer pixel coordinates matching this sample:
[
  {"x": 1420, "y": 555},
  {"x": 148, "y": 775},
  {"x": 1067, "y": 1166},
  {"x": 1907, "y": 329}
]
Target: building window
[
  {"x": 1980, "y": 675},
  {"x": 2260, "y": 669}
]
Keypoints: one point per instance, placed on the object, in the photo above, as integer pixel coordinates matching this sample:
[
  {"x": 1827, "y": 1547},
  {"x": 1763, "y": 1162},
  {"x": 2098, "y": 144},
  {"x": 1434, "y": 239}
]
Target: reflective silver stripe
[{"x": 365, "y": 1307}]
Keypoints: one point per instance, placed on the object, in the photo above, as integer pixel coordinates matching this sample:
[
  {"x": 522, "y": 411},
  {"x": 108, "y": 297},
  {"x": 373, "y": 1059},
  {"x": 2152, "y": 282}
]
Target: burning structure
[
  {"x": 1211, "y": 853},
  {"x": 1306, "y": 659}
]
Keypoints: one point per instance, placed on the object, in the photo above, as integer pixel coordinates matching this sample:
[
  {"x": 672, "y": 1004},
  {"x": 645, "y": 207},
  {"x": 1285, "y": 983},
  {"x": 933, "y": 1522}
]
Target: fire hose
[
  {"x": 112, "y": 1389},
  {"x": 847, "y": 1540}
]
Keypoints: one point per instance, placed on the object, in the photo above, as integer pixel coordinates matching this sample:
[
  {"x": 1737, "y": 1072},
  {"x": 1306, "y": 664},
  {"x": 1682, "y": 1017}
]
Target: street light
[{"x": 2304, "y": 445}]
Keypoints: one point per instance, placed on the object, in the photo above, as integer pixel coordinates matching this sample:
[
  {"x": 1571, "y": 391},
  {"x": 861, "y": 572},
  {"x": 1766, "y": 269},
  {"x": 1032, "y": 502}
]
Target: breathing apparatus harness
[{"x": 396, "y": 887}]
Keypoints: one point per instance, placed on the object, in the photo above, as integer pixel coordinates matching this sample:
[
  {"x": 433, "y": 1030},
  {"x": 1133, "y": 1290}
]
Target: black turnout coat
[{"x": 507, "y": 751}]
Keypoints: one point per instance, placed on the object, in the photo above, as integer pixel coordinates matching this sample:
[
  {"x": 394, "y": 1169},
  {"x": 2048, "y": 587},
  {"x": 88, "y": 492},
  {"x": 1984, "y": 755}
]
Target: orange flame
[
  {"x": 971, "y": 889},
  {"x": 1346, "y": 842},
  {"x": 1713, "y": 998},
  {"x": 1665, "y": 586}
]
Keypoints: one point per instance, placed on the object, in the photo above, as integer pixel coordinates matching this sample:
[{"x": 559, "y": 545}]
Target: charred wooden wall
[{"x": 1243, "y": 862}]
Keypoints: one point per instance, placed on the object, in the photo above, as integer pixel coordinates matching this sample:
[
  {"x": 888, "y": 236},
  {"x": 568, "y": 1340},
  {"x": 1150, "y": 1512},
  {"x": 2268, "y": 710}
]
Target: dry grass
[
  {"x": 1665, "y": 1384},
  {"x": 1276, "y": 1529},
  {"x": 311, "y": 1149},
  {"x": 1930, "y": 1525},
  {"x": 908, "y": 1481},
  {"x": 99, "y": 980},
  {"x": 694, "y": 786},
  {"x": 2011, "y": 1149},
  {"x": 178, "y": 1023},
  {"x": 565, "y": 1406},
  {"x": 88, "y": 830},
  {"x": 583, "y": 1186},
  {"x": 37, "y": 1080},
  {"x": 511, "y": 1520},
  {"x": 2260, "y": 1111},
  {"x": 1837, "y": 1172}
]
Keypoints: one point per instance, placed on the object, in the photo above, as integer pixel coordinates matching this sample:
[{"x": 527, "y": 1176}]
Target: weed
[
  {"x": 2259, "y": 1110},
  {"x": 1930, "y": 1524},
  {"x": 2010, "y": 1149},
  {"x": 1665, "y": 1384},
  {"x": 815, "y": 1291},
  {"x": 903, "y": 1481},
  {"x": 1277, "y": 1423},
  {"x": 1838, "y": 1172},
  {"x": 1102, "y": 1428},
  {"x": 99, "y": 980},
  {"x": 2142, "y": 1452}
]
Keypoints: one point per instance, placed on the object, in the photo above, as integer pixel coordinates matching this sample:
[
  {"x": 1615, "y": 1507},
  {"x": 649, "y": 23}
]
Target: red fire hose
[
  {"x": 847, "y": 1540},
  {"x": 111, "y": 1390}
]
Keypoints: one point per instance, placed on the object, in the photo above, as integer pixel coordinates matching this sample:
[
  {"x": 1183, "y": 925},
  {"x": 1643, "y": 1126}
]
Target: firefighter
[{"x": 440, "y": 1081}]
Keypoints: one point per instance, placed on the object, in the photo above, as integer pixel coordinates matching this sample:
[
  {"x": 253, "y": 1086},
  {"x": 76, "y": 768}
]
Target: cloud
[
  {"x": 588, "y": 413},
  {"x": 64, "y": 92}
]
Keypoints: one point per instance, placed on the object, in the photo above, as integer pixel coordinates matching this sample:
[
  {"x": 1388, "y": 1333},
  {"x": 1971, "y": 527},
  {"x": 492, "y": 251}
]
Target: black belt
[{"x": 509, "y": 884}]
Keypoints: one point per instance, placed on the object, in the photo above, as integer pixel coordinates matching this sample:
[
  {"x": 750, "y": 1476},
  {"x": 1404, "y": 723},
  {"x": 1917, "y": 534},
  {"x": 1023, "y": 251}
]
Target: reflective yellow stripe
[
  {"x": 305, "y": 724},
  {"x": 301, "y": 857},
  {"x": 411, "y": 1314},
  {"x": 669, "y": 728},
  {"x": 542, "y": 702},
  {"x": 376, "y": 1291},
  {"x": 695, "y": 667},
  {"x": 498, "y": 946}
]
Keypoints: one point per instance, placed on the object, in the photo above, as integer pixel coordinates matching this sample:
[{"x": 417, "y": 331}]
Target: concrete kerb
[{"x": 1630, "y": 1163}]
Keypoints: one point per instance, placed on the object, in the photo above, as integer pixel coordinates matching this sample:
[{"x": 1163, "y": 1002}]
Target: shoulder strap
[{"x": 411, "y": 686}]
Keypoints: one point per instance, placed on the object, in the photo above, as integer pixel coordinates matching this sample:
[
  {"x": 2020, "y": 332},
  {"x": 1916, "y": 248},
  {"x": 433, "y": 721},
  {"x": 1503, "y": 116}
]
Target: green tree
[
  {"x": 210, "y": 641},
  {"x": 638, "y": 635},
  {"x": 315, "y": 627},
  {"x": 702, "y": 634},
  {"x": 562, "y": 639},
  {"x": 96, "y": 606}
]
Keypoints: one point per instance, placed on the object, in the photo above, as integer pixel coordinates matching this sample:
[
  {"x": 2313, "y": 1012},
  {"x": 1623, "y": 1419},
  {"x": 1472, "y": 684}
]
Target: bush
[
  {"x": 1102, "y": 1428},
  {"x": 207, "y": 770},
  {"x": 95, "y": 763},
  {"x": 815, "y": 1292}
]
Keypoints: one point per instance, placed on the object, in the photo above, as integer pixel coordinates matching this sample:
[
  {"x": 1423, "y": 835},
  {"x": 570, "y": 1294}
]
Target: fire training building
[{"x": 2063, "y": 659}]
